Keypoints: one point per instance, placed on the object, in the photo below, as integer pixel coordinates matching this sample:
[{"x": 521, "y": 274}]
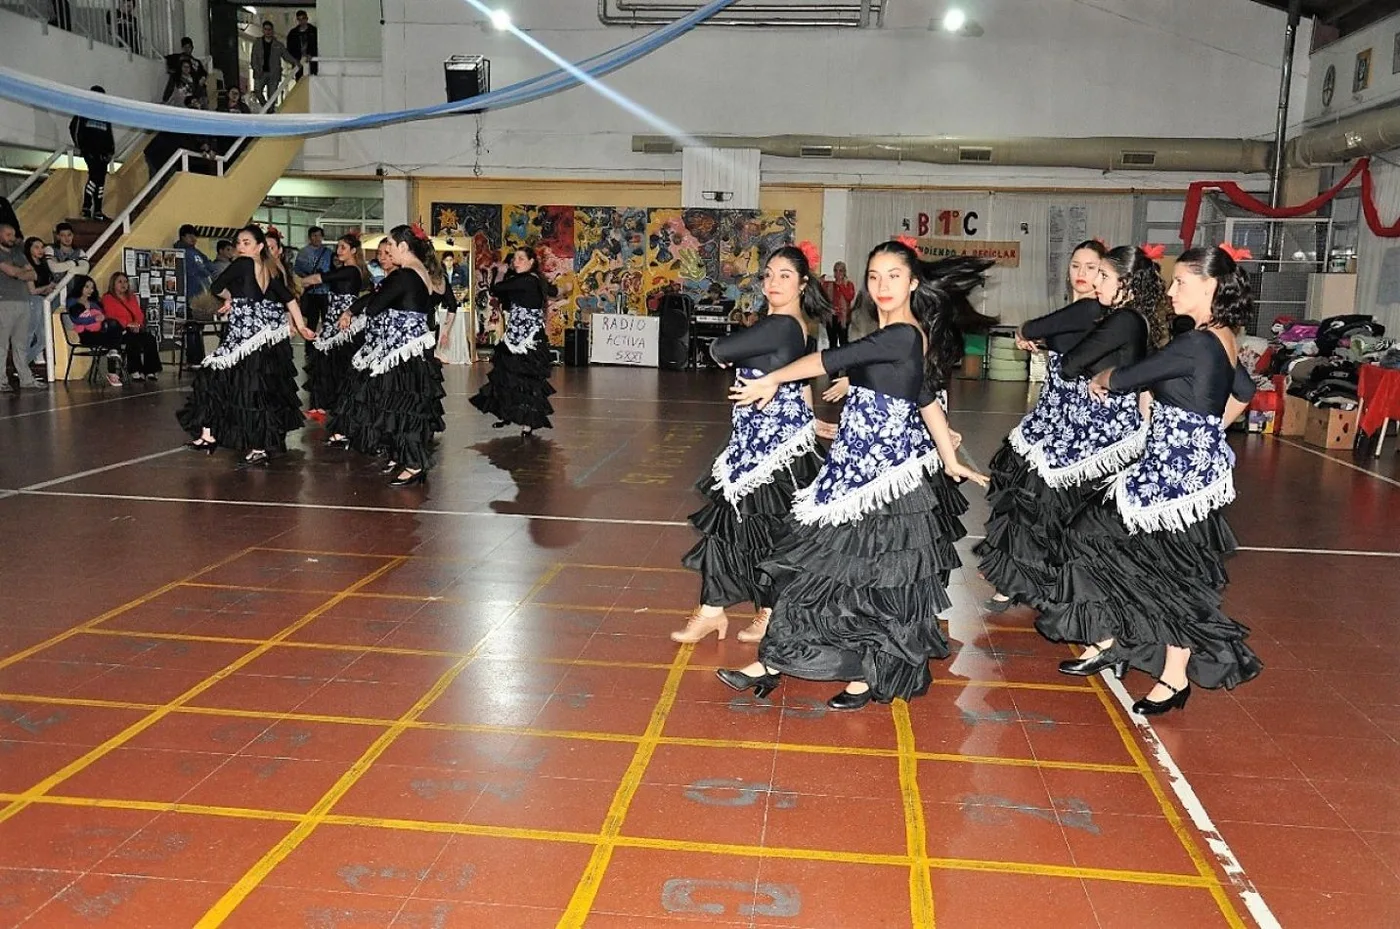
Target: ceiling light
[
  {"x": 954, "y": 20},
  {"x": 500, "y": 19}
]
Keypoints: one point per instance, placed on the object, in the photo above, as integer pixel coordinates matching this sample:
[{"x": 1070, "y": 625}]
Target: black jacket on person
[
  {"x": 303, "y": 44},
  {"x": 92, "y": 136}
]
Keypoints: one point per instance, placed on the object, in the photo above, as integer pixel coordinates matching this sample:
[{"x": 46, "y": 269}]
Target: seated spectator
[
  {"x": 63, "y": 257},
  {"x": 92, "y": 326},
  {"x": 182, "y": 85},
  {"x": 140, "y": 346}
]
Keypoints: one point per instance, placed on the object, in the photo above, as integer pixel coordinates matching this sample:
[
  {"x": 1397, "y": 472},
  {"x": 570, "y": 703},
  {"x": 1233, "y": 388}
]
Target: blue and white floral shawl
[{"x": 1186, "y": 472}]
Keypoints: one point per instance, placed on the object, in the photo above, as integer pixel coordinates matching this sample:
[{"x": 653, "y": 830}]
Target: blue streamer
[{"x": 51, "y": 95}]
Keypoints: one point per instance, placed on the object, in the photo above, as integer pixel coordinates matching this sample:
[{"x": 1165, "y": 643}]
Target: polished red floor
[{"x": 291, "y": 696}]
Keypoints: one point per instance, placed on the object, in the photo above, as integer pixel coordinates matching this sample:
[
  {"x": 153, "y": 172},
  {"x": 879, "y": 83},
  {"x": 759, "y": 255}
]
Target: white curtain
[
  {"x": 1013, "y": 294},
  {"x": 1377, "y": 259}
]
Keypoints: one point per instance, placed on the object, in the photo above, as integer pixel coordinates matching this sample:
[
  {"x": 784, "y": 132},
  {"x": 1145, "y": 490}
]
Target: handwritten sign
[
  {"x": 623, "y": 339},
  {"x": 1005, "y": 254}
]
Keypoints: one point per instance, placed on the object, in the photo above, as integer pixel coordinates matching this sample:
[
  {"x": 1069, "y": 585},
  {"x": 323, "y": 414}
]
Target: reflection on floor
[{"x": 291, "y": 696}]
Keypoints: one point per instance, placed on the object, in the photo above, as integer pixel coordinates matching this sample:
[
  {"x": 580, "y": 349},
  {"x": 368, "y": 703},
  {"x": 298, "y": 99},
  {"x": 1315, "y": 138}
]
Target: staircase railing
[
  {"x": 149, "y": 29},
  {"x": 123, "y": 221}
]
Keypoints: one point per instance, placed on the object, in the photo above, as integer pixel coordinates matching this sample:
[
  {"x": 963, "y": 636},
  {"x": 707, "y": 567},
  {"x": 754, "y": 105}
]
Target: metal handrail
[
  {"x": 41, "y": 171},
  {"x": 124, "y": 219}
]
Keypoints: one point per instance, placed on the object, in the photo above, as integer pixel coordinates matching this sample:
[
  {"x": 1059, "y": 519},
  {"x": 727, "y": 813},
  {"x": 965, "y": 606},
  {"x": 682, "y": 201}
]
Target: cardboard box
[
  {"x": 1330, "y": 428},
  {"x": 1295, "y": 416}
]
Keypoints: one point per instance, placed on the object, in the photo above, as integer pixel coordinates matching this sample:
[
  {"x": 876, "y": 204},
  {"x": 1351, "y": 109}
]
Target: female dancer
[
  {"x": 771, "y": 452},
  {"x": 517, "y": 389},
  {"x": 1014, "y": 523},
  {"x": 328, "y": 357},
  {"x": 245, "y": 393},
  {"x": 396, "y": 402},
  {"x": 861, "y": 576},
  {"x": 1051, "y": 461},
  {"x": 1144, "y": 571}
]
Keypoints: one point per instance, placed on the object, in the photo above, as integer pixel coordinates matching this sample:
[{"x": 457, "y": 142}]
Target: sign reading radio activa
[{"x": 1005, "y": 254}]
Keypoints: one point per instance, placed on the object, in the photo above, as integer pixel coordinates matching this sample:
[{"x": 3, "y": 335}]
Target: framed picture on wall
[{"x": 1361, "y": 78}]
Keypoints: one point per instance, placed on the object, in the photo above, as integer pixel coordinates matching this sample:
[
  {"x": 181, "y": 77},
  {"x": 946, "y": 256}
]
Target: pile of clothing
[{"x": 1320, "y": 361}]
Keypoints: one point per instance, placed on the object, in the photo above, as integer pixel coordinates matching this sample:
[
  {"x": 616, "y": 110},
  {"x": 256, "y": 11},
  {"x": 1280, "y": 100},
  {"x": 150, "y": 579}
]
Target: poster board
[
  {"x": 158, "y": 280},
  {"x": 624, "y": 339}
]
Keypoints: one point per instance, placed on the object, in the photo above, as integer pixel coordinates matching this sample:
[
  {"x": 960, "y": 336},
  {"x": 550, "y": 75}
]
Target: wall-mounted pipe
[
  {"x": 1104, "y": 153},
  {"x": 1369, "y": 133},
  {"x": 772, "y": 14}
]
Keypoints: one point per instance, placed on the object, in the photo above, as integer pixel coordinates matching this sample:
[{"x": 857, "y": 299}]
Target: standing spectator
[
  {"x": 63, "y": 257},
  {"x": 842, "y": 292},
  {"x": 124, "y": 28},
  {"x": 314, "y": 259},
  {"x": 268, "y": 55},
  {"x": 174, "y": 66},
  {"x": 303, "y": 44},
  {"x": 93, "y": 139},
  {"x": 15, "y": 277},
  {"x": 141, "y": 348},
  {"x": 8, "y": 217},
  {"x": 223, "y": 257},
  {"x": 197, "y": 278},
  {"x": 181, "y": 85},
  {"x": 40, "y": 287}
]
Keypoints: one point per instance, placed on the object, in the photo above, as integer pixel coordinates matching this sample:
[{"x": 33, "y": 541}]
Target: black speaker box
[
  {"x": 467, "y": 76},
  {"x": 576, "y": 347},
  {"x": 674, "y": 351}
]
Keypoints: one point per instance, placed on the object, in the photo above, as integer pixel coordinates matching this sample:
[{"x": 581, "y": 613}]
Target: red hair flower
[
  {"x": 809, "y": 251},
  {"x": 418, "y": 232},
  {"x": 909, "y": 242},
  {"x": 1238, "y": 254},
  {"x": 1154, "y": 252}
]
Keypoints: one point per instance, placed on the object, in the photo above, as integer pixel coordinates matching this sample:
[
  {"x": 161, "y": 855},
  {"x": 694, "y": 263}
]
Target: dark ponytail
[
  {"x": 1233, "y": 303},
  {"x": 1141, "y": 288}
]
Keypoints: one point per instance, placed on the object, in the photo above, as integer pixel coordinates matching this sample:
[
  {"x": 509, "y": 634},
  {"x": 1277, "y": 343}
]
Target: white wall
[
  {"x": 71, "y": 59},
  {"x": 1049, "y": 67},
  {"x": 1382, "y": 41}
]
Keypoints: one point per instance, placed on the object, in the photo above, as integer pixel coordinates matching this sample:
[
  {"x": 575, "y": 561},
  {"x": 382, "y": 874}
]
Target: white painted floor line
[
  {"x": 91, "y": 471},
  {"x": 79, "y": 406},
  {"x": 1186, "y": 794},
  {"x": 404, "y": 510},
  {"x": 1355, "y": 553},
  {"x": 1346, "y": 464}
]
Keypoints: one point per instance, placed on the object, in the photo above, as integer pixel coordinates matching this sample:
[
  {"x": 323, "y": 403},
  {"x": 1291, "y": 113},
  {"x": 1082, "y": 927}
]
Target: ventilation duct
[
  {"x": 1104, "y": 153},
  {"x": 1369, "y": 133},
  {"x": 839, "y": 13}
]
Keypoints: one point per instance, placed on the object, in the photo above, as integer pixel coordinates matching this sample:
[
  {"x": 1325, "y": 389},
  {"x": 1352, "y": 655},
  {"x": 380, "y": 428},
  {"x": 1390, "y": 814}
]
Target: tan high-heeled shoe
[
  {"x": 699, "y": 626},
  {"x": 757, "y": 628}
]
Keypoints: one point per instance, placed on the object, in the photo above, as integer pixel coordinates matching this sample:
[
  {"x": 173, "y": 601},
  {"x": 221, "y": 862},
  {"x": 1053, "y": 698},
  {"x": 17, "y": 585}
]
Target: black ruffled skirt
[
  {"x": 1149, "y": 590},
  {"x": 251, "y": 405},
  {"x": 517, "y": 389},
  {"x": 1020, "y": 554},
  {"x": 733, "y": 542},
  {"x": 860, "y": 601},
  {"x": 397, "y": 412},
  {"x": 328, "y": 373}
]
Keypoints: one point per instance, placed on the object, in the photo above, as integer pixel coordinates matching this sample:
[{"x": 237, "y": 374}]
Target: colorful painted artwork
[{"x": 617, "y": 259}]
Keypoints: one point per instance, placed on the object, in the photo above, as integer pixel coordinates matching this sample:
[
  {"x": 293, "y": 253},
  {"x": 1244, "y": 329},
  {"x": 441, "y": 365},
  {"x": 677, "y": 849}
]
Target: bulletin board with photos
[{"x": 158, "y": 279}]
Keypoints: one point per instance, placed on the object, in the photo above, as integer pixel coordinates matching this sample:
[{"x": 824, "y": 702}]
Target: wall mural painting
[{"x": 617, "y": 259}]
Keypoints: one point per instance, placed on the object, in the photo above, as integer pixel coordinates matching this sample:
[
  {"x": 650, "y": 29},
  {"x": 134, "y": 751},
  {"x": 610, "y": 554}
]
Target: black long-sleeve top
[
  {"x": 1193, "y": 372},
  {"x": 522, "y": 290},
  {"x": 1062, "y": 329},
  {"x": 1118, "y": 340},
  {"x": 766, "y": 346},
  {"x": 240, "y": 279},
  {"x": 343, "y": 280},
  {"x": 888, "y": 361},
  {"x": 403, "y": 290},
  {"x": 92, "y": 136}
]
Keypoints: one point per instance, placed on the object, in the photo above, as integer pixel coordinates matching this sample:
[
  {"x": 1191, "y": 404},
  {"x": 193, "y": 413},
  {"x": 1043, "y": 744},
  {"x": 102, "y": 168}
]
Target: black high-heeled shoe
[
  {"x": 338, "y": 441},
  {"x": 846, "y": 700},
  {"x": 500, "y": 424},
  {"x": 1088, "y": 667},
  {"x": 200, "y": 445},
  {"x": 390, "y": 467},
  {"x": 417, "y": 477},
  {"x": 1177, "y": 701},
  {"x": 256, "y": 457},
  {"x": 762, "y": 684}
]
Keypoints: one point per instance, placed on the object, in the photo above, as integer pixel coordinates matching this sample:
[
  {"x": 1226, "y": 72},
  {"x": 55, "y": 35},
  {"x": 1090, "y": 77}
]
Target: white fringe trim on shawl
[
  {"x": 262, "y": 339},
  {"x": 1103, "y": 463},
  {"x": 801, "y": 442},
  {"x": 884, "y": 489},
  {"x": 520, "y": 348},
  {"x": 1171, "y": 515},
  {"x": 390, "y": 360},
  {"x": 358, "y": 324},
  {"x": 1020, "y": 443}
]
